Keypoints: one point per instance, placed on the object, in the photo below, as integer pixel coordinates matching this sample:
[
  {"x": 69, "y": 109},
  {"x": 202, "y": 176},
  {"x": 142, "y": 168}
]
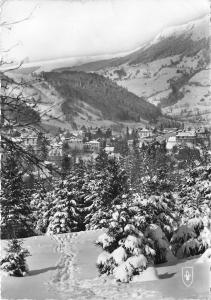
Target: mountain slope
[
  {"x": 172, "y": 70},
  {"x": 108, "y": 100},
  {"x": 70, "y": 100}
]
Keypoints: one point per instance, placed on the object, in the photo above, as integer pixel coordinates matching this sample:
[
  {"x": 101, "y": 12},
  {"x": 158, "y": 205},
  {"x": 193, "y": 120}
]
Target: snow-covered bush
[{"x": 14, "y": 262}]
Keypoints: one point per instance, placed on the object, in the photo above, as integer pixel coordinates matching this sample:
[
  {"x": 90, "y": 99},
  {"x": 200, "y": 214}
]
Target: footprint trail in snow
[{"x": 76, "y": 276}]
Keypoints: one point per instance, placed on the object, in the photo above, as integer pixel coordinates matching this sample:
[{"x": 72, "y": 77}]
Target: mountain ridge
[
  {"x": 99, "y": 64},
  {"x": 172, "y": 71}
]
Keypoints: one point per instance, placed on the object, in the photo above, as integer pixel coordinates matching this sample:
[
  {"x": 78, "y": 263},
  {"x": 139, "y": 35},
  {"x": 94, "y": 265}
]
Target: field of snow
[
  {"x": 196, "y": 100},
  {"x": 157, "y": 82},
  {"x": 64, "y": 267},
  {"x": 203, "y": 77}
]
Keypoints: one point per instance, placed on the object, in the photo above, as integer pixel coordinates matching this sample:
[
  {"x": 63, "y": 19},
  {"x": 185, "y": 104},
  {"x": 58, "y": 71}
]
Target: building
[
  {"x": 92, "y": 146},
  {"x": 75, "y": 143},
  {"x": 203, "y": 136},
  {"x": 109, "y": 150},
  {"x": 55, "y": 154},
  {"x": 171, "y": 142},
  {"x": 186, "y": 137},
  {"x": 145, "y": 133},
  {"x": 29, "y": 139}
]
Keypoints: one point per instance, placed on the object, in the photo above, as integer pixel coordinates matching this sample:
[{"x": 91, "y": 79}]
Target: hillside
[
  {"x": 99, "y": 95},
  {"x": 69, "y": 100},
  {"x": 172, "y": 71}
]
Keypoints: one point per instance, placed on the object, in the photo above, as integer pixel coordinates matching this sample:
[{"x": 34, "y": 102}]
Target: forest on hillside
[{"x": 114, "y": 102}]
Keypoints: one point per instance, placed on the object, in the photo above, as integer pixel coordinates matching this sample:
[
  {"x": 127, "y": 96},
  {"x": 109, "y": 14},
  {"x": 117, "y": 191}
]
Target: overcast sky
[{"x": 69, "y": 29}]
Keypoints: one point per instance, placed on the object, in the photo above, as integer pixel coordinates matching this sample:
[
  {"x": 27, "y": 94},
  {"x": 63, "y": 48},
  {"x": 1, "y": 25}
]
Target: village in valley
[{"x": 85, "y": 144}]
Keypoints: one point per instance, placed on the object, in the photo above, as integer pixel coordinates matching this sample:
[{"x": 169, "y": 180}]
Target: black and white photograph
[{"x": 105, "y": 157}]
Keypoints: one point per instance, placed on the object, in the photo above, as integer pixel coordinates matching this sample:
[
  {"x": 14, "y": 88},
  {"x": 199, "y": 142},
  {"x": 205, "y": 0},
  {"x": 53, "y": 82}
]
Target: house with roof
[
  {"x": 75, "y": 143},
  {"x": 203, "y": 136},
  {"x": 29, "y": 138},
  {"x": 186, "y": 137},
  {"x": 92, "y": 146},
  {"x": 171, "y": 142},
  {"x": 55, "y": 154},
  {"x": 145, "y": 133},
  {"x": 109, "y": 150}
]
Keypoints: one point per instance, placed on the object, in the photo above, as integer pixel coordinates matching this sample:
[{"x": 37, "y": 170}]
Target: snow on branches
[
  {"x": 194, "y": 204},
  {"x": 14, "y": 262}
]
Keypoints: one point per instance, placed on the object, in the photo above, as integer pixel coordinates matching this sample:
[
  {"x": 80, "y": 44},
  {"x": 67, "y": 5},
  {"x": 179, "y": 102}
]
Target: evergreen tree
[
  {"x": 42, "y": 146},
  {"x": 108, "y": 133},
  {"x": 64, "y": 213},
  {"x": 121, "y": 146},
  {"x": 65, "y": 165},
  {"x": 15, "y": 208},
  {"x": 41, "y": 204},
  {"x": 14, "y": 262},
  {"x": 102, "y": 191},
  {"x": 29, "y": 164},
  {"x": 135, "y": 137},
  {"x": 136, "y": 235},
  {"x": 101, "y": 160},
  {"x": 126, "y": 250},
  {"x": 78, "y": 179},
  {"x": 150, "y": 169},
  {"x": 127, "y": 134},
  {"x": 65, "y": 148},
  {"x": 194, "y": 204}
]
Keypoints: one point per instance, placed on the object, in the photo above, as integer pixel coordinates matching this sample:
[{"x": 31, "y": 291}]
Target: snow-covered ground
[{"x": 64, "y": 267}]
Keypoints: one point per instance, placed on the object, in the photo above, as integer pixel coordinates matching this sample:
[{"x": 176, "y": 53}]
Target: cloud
[{"x": 58, "y": 29}]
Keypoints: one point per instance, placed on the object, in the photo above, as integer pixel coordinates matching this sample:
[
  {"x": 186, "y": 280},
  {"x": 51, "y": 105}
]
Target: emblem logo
[{"x": 187, "y": 276}]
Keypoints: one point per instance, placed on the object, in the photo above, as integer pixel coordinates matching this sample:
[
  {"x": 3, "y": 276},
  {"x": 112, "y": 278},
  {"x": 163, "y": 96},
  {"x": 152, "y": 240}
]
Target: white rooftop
[
  {"x": 172, "y": 139},
  {"x": 109, "y": 148},
  {"x": 93, "y": 142},
  {"x": 187, "y": 133}
]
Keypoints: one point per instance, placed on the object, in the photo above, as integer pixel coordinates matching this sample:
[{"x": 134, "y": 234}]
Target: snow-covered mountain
[
  {"x": 173, "y": 70},
  {"x": 195, "y": 29}
]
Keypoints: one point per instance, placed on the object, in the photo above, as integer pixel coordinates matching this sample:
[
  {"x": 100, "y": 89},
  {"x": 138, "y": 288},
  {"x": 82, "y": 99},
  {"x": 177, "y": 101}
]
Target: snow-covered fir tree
[
  {"x": 76, "y": 180},
  {"x": 65, "y": 164},
  {"x": 102, "y": 190},
  {"x": 194, "y": 202},
  {"x": 15, "y": 207},
  {"x": 150, "y": 169},
  {"x": 14, "y": 261},
  {"x": 41, "y": 204},
  {"x": 127, "y": 252},
  {"x": 138, "y": 233},
  {"x": 42, "y": 146},
  {"x": 63, "y": 214}
]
